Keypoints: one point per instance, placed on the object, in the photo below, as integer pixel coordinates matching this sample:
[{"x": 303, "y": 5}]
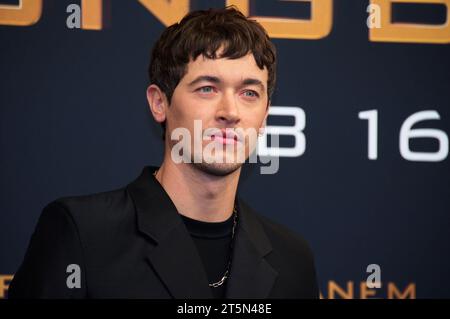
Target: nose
[{"x": 228, "y": 111}]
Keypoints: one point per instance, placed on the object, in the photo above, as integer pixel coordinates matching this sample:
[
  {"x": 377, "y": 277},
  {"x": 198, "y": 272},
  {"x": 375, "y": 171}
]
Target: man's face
[{"x": 225, "y": 94}]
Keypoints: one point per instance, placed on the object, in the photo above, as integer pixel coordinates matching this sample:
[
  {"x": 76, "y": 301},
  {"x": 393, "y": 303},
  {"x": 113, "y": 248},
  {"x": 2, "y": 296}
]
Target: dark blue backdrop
[{"x": 74, "y": 120}]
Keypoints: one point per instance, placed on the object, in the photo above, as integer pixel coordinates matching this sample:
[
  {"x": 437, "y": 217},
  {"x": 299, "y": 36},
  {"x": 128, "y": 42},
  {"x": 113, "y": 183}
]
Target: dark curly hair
[{"x": 204, "y": 32}]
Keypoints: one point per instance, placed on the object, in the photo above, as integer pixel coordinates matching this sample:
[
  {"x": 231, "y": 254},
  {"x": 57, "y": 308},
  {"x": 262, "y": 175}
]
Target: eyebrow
[{"x": 216, "y": 80}]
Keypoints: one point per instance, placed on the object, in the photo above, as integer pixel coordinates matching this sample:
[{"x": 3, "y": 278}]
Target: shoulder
[
  {"x": 92, "y": 203},
  {"x": 288, "y": 241},
  {"x": 282, "y": 236},
  {"x": 290, "y": 250},
  {"x": 92, "y": 211},
  {"x": 292, "y": 257}
]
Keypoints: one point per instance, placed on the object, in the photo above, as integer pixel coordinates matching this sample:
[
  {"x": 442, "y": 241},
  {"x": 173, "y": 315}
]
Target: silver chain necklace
[{"x": 227, "y": 271}]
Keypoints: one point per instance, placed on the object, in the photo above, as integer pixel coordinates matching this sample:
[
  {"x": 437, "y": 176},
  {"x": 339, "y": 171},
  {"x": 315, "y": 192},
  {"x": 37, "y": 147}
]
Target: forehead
[{"x": 226, "y": 69}]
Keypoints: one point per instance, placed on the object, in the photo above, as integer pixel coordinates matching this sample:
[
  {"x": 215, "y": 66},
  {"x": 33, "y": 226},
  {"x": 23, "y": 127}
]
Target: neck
[{"x": 197, "y": 194}]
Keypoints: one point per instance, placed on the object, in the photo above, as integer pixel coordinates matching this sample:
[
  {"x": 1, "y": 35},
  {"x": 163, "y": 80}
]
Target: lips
[
  {"x": 225, "y": 137},
  {"x": 223, "y": 140}
]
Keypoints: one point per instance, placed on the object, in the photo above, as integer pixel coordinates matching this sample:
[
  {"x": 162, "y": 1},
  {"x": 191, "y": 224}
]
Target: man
[{"x": 180, "y": 230}]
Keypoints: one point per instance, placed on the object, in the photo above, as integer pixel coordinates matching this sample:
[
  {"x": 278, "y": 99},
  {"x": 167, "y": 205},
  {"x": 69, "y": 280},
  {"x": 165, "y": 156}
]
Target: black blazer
[{"x": 132, "y": 243}]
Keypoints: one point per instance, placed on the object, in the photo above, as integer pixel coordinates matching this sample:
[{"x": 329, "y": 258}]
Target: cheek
[
  {"x": 253, "y": 118},
  {"x": 183, "y": 113}
]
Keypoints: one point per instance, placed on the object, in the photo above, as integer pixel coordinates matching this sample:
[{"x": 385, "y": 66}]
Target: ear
[{"x": 157, "y": 102}]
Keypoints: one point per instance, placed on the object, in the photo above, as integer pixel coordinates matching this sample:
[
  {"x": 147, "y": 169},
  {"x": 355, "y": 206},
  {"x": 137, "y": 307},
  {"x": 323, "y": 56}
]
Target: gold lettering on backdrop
[
  {"x": 409, "y": 32},
  {"x": 168, "y": 12},
  {"x": 408, "y": 293},
  {"x": 366, "y": 292},
  {"x": 319, "y": 26},
  {"x": 4, "y": 284},
  {"x": 26, "y": 13},
  {"x": 92, "y": 14},
  {"x": 334, "y": 289}
]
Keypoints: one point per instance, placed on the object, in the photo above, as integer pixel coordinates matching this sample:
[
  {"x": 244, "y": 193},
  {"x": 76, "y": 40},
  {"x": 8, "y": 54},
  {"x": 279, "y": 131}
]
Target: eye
[
  {"x": 252, "y": 93},
  {"x": 206, "y": 89}
]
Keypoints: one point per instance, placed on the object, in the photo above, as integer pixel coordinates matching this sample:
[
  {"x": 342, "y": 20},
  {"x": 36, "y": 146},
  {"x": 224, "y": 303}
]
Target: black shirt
[{"x": 213, "y": 241}]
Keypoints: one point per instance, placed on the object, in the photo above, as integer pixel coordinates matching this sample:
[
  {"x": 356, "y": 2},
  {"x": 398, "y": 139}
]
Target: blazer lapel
[
  {"x": 174, "y": 258},
  {"x": 251, "y": 276}
]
